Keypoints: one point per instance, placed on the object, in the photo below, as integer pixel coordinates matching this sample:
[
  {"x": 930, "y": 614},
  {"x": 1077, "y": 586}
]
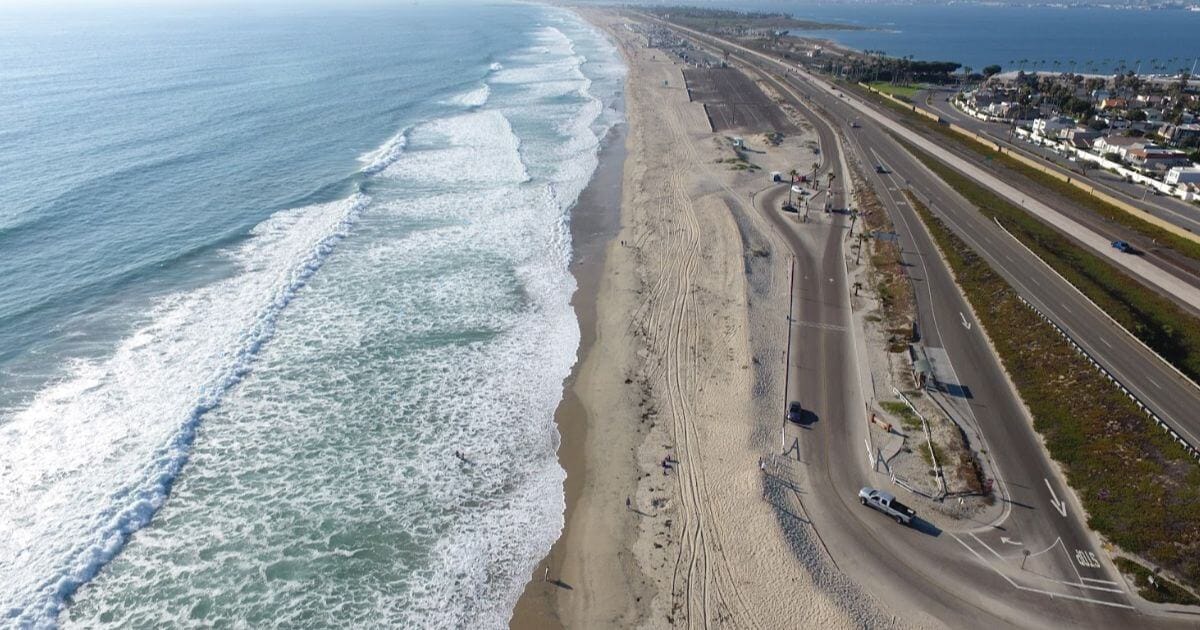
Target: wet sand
[{"x": 595, "y": 221}]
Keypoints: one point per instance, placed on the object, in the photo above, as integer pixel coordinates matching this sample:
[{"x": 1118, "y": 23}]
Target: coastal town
[{"x": 1145, "y": 129}]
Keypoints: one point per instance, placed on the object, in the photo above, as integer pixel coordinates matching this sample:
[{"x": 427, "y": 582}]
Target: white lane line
[
  {"x": 1050, "y": 594},
  {"x": 1098, "y": 581},
  {"x": 1052, "y": 545},
  {"x": 1153, "y": 382},
  {"x": 1066, "y": 307},
  {"x": 1035, "y": 281},
  {"x": 1058, "y": 542},
  {"x": 988, "y": 547},
  {"x": 1105, "y": 342},
  {"x": 1090, "y": 586}
]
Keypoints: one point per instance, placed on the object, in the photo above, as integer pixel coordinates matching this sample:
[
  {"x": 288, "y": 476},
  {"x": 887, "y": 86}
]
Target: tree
[{"x": 991, "y": 71}]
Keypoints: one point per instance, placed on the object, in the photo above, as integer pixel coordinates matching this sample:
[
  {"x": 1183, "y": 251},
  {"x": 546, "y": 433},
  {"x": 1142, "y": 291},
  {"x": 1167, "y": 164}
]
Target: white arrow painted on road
[
  {"x": 966, "y": 324},
  {"x": 1009, "y": 541},
  {"x": 1058, "y": 505}
]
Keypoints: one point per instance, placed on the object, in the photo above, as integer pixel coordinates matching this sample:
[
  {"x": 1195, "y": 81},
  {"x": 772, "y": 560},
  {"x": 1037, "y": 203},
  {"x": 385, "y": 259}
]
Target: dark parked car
[
  {"x": 795, "y": 411},
  {"x": 1122, "y": 246}
]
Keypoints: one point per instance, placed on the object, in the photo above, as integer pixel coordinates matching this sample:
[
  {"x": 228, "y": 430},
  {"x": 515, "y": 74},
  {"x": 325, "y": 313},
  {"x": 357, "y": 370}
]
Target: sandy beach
[{"x": 675, "y": 400}]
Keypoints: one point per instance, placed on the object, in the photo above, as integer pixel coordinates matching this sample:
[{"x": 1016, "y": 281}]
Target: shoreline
[
  {"x": 669, "y": 413},
  {"x": 594, "y": 221}
]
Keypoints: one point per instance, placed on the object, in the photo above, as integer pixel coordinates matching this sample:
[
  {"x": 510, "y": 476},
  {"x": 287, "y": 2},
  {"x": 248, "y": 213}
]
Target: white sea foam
[
  {"x": 478, "y": 148},
  {"x": 383, "y": 156},
  {"x": 93, "y": 456},
  {"x": 472, "y": 98}
]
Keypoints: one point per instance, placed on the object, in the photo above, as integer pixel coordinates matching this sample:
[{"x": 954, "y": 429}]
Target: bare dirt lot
[{"x": 733, "y": 101}]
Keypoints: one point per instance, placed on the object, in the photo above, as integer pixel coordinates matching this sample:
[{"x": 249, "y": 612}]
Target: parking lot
[{"x": 734, "y": 102}]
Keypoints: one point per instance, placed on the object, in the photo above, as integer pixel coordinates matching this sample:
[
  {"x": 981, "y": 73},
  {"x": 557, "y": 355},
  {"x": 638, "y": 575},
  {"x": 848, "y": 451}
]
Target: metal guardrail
[{"x": 1187, "y": 446}]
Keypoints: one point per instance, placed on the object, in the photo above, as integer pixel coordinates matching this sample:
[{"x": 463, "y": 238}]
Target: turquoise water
[
  {"x": 264, "y": 272},
  {"x": 1096, "y": 39}
]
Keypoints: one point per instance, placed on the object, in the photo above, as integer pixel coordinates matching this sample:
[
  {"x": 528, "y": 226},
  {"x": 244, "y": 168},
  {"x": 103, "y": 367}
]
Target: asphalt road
[
  {"x": 1159, "y": 386},
  {"x": 971, "y": 577}
]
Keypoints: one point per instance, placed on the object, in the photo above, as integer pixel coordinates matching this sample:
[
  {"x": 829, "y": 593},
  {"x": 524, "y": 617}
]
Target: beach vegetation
[
  {"x": 1153, "y": 587},
  {"x": 905, "y": 93},
  {"x": 908, "y": 419}
]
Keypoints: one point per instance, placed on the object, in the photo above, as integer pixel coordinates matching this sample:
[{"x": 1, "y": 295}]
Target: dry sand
[{"x": 684, "y": 365}]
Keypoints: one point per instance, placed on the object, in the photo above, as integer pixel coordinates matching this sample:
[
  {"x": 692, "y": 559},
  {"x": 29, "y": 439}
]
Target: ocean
[
  {"x": 265, "y": 271},
  {"x": 1082, "y": 39}
]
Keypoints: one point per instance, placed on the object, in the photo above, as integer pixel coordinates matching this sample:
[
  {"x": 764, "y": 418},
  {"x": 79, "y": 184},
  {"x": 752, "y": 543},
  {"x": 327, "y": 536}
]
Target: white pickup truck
[{"x": 886, "y": 502}]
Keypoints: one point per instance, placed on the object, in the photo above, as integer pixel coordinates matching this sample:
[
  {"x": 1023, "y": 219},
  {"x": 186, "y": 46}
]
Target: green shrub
[{"x": 1162, "y": 590}]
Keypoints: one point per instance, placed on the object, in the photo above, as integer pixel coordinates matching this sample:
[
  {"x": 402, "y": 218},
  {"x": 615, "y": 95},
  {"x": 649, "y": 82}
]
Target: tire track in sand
[{"x": 702, "y": 586}]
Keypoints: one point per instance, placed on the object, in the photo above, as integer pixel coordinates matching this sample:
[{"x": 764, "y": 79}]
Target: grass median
[
  {"x": 902, "y": 92},
  {"x": 1141, "y": 490},
  {"x": 1160, "y": 323}
]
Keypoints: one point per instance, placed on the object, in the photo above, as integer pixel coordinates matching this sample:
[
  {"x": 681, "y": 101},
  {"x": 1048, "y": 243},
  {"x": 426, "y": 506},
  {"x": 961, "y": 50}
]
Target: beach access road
[{"x": 959, "y": 576}]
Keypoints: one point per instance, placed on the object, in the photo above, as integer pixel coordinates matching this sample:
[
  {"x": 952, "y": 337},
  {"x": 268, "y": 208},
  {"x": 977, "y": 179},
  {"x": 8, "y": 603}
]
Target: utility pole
[{"x": 787, "y": 368}]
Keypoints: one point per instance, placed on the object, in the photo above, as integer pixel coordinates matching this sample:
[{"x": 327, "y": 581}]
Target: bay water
[{"x": 1098, "y": 40}]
